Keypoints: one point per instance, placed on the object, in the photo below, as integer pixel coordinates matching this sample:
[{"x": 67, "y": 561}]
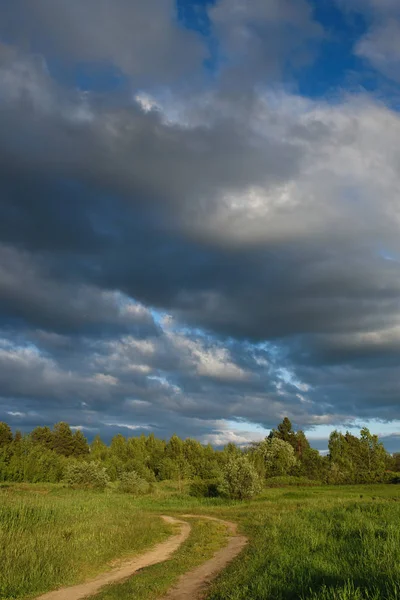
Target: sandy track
[
  {"x": 194, "y": 584},
  {"x": 191, "y": 585},
  {"x": 160, "y": 553}
]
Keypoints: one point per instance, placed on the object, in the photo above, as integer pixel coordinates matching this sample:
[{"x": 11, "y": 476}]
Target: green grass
[
  {"x": 313, "y": 543},
  {"x": 205, "y": 539},
  {"x": 322, "y": 544},
  {"x": 51, "y": 536}
]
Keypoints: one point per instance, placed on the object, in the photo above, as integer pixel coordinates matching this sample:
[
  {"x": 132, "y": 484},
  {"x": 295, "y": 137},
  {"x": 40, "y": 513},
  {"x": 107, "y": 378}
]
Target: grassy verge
[
  {"x": 51, "y": 536},
  {"x": 314, "y": 543},
  {"x": 329, "y": 544},
  {"x": 205, "y": 539}
]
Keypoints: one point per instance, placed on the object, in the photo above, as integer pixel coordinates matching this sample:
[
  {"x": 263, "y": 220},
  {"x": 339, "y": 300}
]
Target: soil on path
[
  {"x": 160, "y": 553},
  {"x": 191, "y": 585},
  {"x": 194, "y": 584}
]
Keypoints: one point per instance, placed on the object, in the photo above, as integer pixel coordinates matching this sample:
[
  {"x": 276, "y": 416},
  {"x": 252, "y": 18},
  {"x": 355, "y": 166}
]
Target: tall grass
[
  {"x": 318, "y": 548},
  {"x": 315, "y": 543},
  {"x": 205, "y": 539},
  {"x": 52, "y": 539}
]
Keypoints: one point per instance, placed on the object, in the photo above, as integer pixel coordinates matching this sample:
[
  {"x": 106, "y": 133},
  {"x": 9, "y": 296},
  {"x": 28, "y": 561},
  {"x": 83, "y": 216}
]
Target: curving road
[{"x": 191, "y": 585}]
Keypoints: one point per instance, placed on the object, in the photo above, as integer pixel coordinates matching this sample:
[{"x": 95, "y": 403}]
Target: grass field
[
  {"x": 320, "y": 543},
  {"x": 50, "y": 536}
]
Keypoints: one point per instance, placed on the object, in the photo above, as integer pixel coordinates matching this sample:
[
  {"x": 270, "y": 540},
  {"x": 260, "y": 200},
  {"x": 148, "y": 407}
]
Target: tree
[
  {"x": 177, "y": 469},
  {"x": 63, "y": 439},
  {"x": 118, "y": 447},
  {"x": 81, "y": 446},
  {"x": 174, "y": 447},
  {"x": 98, "y": 449},
  {"x": 240, "y": 480},
  {"x": 396, "y": 461},
  {"x": 285, "y": 433},
  {"x": 358, "y": 460},
  {"x": 155, "y": 450},
  {"x": 278, "y": 456},
  {"x": 43, "y": 436},
  {"x": 374, "y": 456},
  {"x": 302, "y": 445},
  {"x": 6, "y": 436}
]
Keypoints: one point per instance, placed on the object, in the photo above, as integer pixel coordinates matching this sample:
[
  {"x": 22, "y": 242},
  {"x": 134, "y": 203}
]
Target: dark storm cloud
[
  {"x": 252, "y": 220},
  {"x": 31, "y": 295}
]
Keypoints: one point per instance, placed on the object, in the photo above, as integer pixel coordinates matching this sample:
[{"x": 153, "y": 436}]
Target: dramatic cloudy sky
[{"x": 200, "y": 216}]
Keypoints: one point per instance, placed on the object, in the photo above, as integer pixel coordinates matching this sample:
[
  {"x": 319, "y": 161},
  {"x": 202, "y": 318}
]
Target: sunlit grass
[
  {"x": 205, "y": 539},
  {"x": 51, "y": 537},
  {"x": 314, "y": 543},
  {"x": 325, "y": 544}
]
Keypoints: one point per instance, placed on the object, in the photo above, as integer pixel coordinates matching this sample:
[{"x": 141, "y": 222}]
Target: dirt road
[
  {"x": 191, "y": 585},
  {"x": 194, "y": 584},
  {"x": 160, "y": 553}
]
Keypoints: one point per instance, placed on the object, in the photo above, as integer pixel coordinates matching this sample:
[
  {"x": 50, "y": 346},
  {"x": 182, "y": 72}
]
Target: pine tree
[
  {"x": 81, "y": 446},
  {"x": 63, "y": 439},
  {"x": 6, "y": 436},
  {"x": 43, "y": 436}
]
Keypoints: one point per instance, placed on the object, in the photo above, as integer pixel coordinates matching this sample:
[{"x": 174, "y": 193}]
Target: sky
[{"x": 199, "y": 216}]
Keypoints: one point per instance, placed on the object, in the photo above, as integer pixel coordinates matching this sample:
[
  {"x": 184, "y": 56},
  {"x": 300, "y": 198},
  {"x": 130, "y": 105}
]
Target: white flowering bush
[
  {"x": 86, "y": 475},
  {"x": 240, "y": 480}
]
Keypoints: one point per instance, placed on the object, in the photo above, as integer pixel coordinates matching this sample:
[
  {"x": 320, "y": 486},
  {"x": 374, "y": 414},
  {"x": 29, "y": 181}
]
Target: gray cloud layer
[{"x": 178, "y": 260}]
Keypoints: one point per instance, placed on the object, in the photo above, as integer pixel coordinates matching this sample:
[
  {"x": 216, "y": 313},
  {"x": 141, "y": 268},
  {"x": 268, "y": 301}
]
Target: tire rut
[
  {"x": 195, "y": 583},
  {"x": 160, "y": 553}
]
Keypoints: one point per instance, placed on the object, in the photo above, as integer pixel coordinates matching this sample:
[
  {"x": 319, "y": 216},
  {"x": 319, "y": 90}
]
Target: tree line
[{"x": 61, "y": 454}]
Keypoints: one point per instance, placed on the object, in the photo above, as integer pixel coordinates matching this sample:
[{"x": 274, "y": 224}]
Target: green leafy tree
[
  {"x": 63, "y": 439},
  {"x": 6, "y": 436},
  {"x": 285, "y": 432},
  {"x": 302, "y": 445},
  {"x": 177, "y": 469},
  {"x": 174, "y": 448},
  {"x": 374, "y": 456},
  {"x": 118, "y": 448},
  {"x": 43, "y": 436},
  {"x": 240, "y": 480},
  {"x": 81, "y": 446},
  {"x": 356, "y": 460},
  {"x": 155, "y": 451},
  {"x": 98, "y": 449},
  {"x": 278, "y": 456},
  {"x": 340, "y": 468},
  {"x": 396, "y": 461}
]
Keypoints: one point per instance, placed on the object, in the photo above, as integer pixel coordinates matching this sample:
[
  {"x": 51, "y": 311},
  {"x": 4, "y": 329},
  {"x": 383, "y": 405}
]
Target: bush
[
  {"x": 205, "y": 488},
  {"x": 392, "y": 477},
  {"x": 132, "y": 483},
  {"x": 86, "y": 475},
  {"x": 240, "y": 480}
]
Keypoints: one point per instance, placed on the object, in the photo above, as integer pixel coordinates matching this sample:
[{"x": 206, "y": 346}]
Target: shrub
[
  {"x": 132, "y": 483},
  {"x": 86, "y": 475},
  {"x": 205, "y": 488},
  {"x": 392, "y": 477},
  {"x": 240, "y": 479}
]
